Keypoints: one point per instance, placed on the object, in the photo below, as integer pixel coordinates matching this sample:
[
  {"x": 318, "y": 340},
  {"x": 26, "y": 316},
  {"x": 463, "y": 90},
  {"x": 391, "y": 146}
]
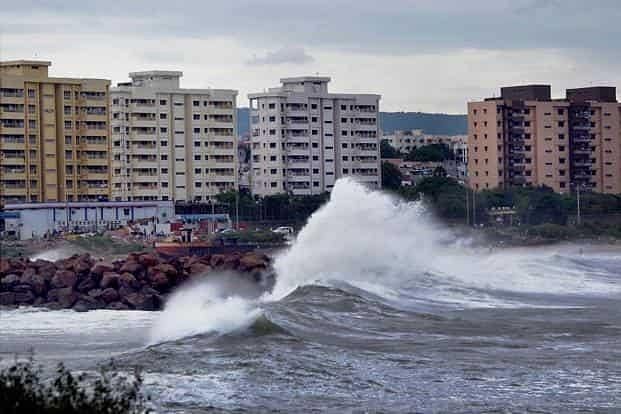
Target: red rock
[
  {"x": 109, "y": 295},
  {"x": 110, "y": 279},
  {"x": 141, "y": 301},
  {"x": 170, "y": 270},
  {"x": 128, "y": 280},
  {"x": 251, "y": 261},
  {"x": 147, "y": 259},
  {"x": 81, "y": 266},
  {"x": 5, "y": 266},
  {"x": 217, "y": 260},
  {"x": 117, "y": 306},
  {"x": 41, "y": 263},
  {"x": 7, "y": 298},
  {"x": 199, "y": 268},
  {"x": 95, "y": 293},
  {"x": 87, "y": 284},
  {"x": 100, "y": 267},
  {"x": 9, "y": 281},
  {"x": 37, "y": 282},
  {"x": 159, "y": 281},
  {"x": 131, "y": 267},
  {"x": 67, "y": 297},
  {"x": 48, "y": 271},
  {"x": 24, "y": 298},
  {"x": 64, "y": 278}
]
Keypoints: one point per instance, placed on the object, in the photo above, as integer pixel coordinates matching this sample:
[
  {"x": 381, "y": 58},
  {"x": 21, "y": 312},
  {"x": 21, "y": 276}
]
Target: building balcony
[
  {"x": 93, "y": 161},
  {"x": 9, "y": 175},
  {"x": 4, "y": 160},
  {"x": 12, "y": 191},
  {"x": 221, "y": 111},
  {"x": 220, "y": 124}
]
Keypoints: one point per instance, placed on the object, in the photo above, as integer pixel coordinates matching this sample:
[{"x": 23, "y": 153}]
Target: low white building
[{"x": 31, "y": 220}]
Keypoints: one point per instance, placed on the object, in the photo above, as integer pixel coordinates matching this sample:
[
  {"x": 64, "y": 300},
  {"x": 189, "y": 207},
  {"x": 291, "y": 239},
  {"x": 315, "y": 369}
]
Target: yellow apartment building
[{"x": 54, "y": 135}]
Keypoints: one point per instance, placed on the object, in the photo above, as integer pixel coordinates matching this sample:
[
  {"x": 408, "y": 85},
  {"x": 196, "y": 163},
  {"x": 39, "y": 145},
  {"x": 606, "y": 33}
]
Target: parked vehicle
[{"x": 286, "y": 230}]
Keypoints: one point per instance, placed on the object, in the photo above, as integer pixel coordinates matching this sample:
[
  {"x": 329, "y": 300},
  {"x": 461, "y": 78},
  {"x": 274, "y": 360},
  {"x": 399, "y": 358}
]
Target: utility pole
[
  {"x": 467, "y": 207},
  {"x": 578, "y": 218},
  {"x": 474, "y": 208},
  {"x": 237, "y": 209}
]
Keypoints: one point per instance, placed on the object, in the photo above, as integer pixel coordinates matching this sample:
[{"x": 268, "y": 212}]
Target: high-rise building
[
  {"x": 524, "y": 137},
  {"x": 305, "y": 138},
  {"x": 170, "y": 143},
  {"x": 54, "y": 143}
]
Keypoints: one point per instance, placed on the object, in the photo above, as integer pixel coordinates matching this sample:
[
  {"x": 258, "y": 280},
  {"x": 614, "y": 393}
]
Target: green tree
[
  {"x": 388, "y": 151},
  {"x": 391, "y": 176},
  {"x": 430, "y": 153}
]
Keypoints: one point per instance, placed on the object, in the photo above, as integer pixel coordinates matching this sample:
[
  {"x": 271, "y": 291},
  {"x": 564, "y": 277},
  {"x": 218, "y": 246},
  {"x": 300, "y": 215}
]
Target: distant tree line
[{"x": 424, "y": 153}]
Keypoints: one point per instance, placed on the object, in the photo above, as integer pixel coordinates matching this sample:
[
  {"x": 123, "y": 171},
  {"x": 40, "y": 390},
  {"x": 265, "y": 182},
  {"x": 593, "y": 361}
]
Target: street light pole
[{"x": 578, "y": 218}]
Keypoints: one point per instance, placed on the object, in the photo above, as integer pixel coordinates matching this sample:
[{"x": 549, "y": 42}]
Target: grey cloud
[
  {"x": 365, "y": 26},
  {"x": 294, "y": 55}
]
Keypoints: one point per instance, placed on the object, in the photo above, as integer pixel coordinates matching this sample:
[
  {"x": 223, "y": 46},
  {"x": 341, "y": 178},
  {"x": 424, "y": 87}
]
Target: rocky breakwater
[{"x": 140, "y": 281}]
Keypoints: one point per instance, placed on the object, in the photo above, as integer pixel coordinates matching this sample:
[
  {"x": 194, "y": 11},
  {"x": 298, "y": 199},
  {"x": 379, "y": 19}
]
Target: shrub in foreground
[{"x": 24, "y": 390}]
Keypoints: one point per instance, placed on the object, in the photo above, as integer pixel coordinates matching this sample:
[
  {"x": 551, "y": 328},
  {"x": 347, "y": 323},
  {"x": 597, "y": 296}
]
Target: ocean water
[{"x": 376, "y": 308}]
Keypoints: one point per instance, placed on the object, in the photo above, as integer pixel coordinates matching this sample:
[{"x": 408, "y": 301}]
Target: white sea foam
[
  {"x": 204, "y": 307},
  {"x": 385, "y": 246}
]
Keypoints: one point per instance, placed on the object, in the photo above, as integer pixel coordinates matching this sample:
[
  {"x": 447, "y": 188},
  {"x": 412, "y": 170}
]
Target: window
[
  {"x": 313, "y": 106},
  {"x": 272, "y": 119},
  {"x": 315, "y": 158},
  {"x": 315, "y": 170},
  {"x": 344, "y": 133},
  {"x": 271, "y": 106},
  {"x": 164, "y": 170},
  {"x": 196, "y": 117},
  {"x": 198, "y": 184},
  {"x": 315, "y": 145},
  {"x": 561, "y": 123},
  {"x": 273, "y": 171},
  {"x": 343, "y": 107},
  {"x": 272, "y": 132},
  {"x": 162, "y": 101},
  {"x": 68, "y": 124},
  {"x": 164, "y": 157},
  {"x": 165, "y": 184},
  {"x": 315, "y": 183},
  {"x": 273, "y": 184},
  {"x": 561, "y": 111},
  {"x": 197, "y": 144},
  {"x": 163, "y": 116},
  {"x": 197, "y": 157},
  {"x": 31, "y": 93},
  {"x": 273, "y": 158},
  {"x": 197, "y": 130},
  {"x": 163, "y": 143},
  {"x": 196, "y": 103},
  {"x": 561, "y": 136},
  {"x": 272, "y": 145},
  {"x": 163, "y": 130}
]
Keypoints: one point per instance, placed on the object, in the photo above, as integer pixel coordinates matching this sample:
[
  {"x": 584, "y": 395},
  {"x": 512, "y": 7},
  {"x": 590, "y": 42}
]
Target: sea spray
[
  {"x": 222, "y": 303},
  {"x": 383, "y": 245}
]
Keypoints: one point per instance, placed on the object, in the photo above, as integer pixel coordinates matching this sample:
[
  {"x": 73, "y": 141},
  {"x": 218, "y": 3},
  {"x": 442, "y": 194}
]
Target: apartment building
[
  {"x": 524, "y": 137},
  {"x": 54, "y": 136},
  {"x": 170, "y": 143},
  {"x": 305, "y": 138},
  {"x": 406, "y": 141}
]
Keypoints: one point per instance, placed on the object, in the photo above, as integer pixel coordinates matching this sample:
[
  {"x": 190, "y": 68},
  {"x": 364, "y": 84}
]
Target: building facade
[
  {"x": 305, "y": 138},
  {"x": 54, "y": 137},
  {"x": 524, "y": 137},
  {"x": 170, "y": 143}
]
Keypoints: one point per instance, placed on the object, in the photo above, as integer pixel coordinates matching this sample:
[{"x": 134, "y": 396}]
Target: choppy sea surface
[{"x": 376, "y": 308}]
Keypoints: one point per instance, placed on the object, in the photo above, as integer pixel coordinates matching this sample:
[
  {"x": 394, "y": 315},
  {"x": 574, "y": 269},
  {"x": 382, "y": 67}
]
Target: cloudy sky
[{"x": 421, "y": 55}]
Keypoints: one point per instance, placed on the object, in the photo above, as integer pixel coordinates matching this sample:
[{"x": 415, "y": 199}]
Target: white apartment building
[
  {"x": 305, "y": 138},
  {"x": 170, "y": 143}
]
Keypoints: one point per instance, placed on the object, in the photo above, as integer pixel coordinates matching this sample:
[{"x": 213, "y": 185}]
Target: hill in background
[{"x": 435, "y": 124}]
